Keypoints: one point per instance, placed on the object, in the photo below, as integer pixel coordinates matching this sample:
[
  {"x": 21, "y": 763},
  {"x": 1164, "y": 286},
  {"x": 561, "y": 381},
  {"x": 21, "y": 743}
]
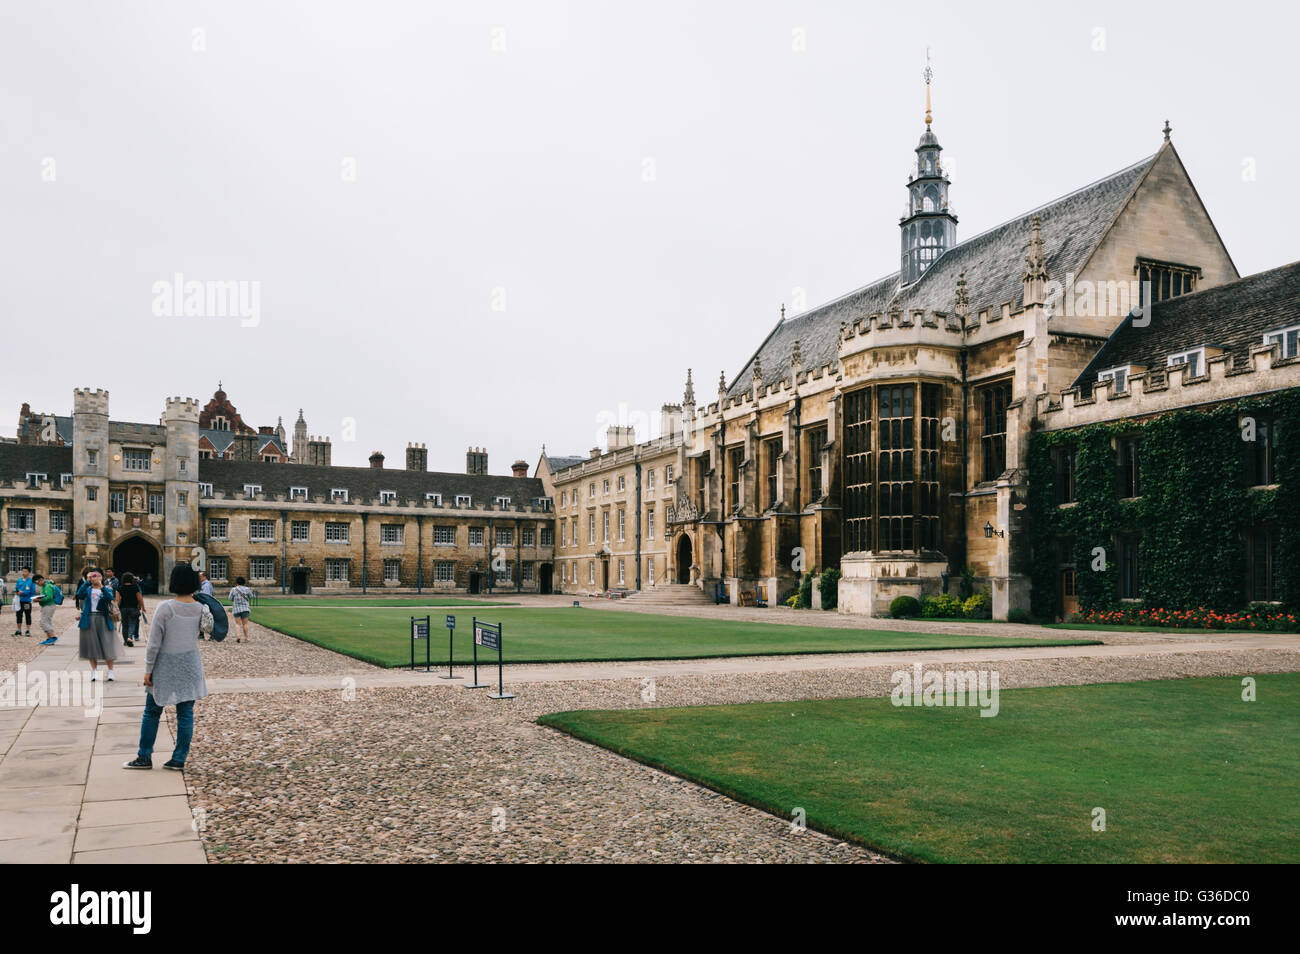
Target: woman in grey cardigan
[{"x": 173, "y": 669}]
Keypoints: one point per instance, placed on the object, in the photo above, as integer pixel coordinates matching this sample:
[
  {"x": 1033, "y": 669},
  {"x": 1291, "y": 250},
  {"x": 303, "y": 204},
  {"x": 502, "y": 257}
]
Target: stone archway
[
  {"x": 137, "y": 554},
  {"x": 684, "y": 554}
]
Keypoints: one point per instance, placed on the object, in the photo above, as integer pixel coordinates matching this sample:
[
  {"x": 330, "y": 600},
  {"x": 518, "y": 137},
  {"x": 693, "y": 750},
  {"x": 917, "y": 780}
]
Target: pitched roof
[
  {"x": 1233, "y": 316},
  {"x": 19, "y": 460},
  {"x": 559, "y": 463},
  {"x": 993, "y": 261},
  {"x": 364, "y": 483},
  {"x": 62, "y": 426}
]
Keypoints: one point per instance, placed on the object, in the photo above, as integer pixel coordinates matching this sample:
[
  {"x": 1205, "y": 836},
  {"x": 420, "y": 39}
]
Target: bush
[
  {"x": 905, "y": 607},
  {"x": 966, "y": 589},
  {"x": 789, "y": 595},
  {"x": 828, "y": 584},
  {"x": 978, "y": 606},
  {"x": 945, "y": 604},
  {"x": 805, "y": 592},
  {"x": 1019, "y": 616}
]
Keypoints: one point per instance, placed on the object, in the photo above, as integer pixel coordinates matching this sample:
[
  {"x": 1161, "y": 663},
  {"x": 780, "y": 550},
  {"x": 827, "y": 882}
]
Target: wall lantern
[{"x": 989, "y": 531}]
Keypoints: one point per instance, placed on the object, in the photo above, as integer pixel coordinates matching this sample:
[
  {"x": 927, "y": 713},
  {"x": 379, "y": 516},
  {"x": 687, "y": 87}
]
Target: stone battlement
[
  {"x": 1160, "y": 390},
  {"x": 182, "y": 409},
  {"x": 86, "y": 401}
]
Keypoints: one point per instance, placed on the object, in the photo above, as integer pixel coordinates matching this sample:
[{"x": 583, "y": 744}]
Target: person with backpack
[
  {"x": 131, "y": 602},
  {"x": 96, "y": 624},
  {"x": 24, "y": 593},
  {"x": 173, "y": 668},
  {"x": 50, "y": 596},
  {"x": 239, "y": 597}
]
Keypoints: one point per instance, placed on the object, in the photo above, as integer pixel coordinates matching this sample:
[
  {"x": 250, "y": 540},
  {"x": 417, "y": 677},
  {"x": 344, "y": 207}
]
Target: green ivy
[{"x": 1193, "y": 512}]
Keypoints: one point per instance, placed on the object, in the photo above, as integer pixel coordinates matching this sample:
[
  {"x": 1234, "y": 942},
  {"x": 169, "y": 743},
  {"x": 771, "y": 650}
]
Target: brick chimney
[
  {"x": 519, "y": 468},
  {"x": 417, "y": 457},
  {"x": 377, "y": 461}
]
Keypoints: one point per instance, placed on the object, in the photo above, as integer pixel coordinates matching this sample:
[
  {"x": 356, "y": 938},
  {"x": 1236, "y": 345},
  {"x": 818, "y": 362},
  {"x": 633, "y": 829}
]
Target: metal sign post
[
  {"x": 488, "y": 635},
  {"x": 477, "y": 642},
  {"x": 420, "y": 630},
  {"x": 451, "y": 659}
]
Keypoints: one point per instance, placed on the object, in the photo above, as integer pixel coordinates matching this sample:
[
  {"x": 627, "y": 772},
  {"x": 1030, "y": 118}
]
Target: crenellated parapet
[
  {"x": 181, "y": 410},
  {"x": 1161, "y": 390},
  {"x": 86, "y": 401}
]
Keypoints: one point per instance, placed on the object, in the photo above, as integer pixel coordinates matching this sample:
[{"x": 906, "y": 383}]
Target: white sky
[{"x": 517, "y": 177}]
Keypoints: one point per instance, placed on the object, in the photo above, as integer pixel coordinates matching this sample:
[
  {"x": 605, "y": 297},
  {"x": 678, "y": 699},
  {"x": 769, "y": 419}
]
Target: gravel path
[
  {"x": 422, "y": 774},
  {"x": 16, "y": 650}
]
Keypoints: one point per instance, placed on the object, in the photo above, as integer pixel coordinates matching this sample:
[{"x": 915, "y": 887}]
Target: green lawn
[
  {"x": 569, "y": 634},
  {"x": 432, "y": 601},
  {"x": 1185, "y": 770}
]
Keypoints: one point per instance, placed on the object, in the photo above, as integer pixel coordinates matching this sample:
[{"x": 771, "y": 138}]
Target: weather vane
[{"x": 928, "y": 74}]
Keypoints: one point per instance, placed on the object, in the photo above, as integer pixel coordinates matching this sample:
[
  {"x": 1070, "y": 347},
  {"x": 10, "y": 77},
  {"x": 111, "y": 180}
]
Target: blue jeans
[
  {"x": 149, "y": 728},
  {"x": 130, "y": 625}
]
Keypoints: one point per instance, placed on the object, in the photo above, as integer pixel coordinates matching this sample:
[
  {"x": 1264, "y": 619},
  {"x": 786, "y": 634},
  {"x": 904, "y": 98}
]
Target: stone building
[
  {"x": 140, "y": 497},
  {"x": 610, "y": 510},
  {"x": 885, "y": 432}
]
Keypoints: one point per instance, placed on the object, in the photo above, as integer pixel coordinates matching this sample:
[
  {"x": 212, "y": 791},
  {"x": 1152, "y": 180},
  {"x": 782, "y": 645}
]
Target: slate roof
[
  {"x": 364, "y": 483},
  {"x": 18, "y": 460},
  {"x": 1234, "y": 316},
  {"x": 129, "y": 432},
  {"x": 62, "y": 426},
  {"x": 221, "y": 440},
  {"x": 994, "y": 263},
  {"x": 559, "y": 463}
]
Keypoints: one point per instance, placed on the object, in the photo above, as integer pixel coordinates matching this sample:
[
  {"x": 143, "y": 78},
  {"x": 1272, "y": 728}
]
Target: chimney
[
  {"x": 519, "y": 468},
  {"x": 670, "y": 420},
  {"x": 617, "y": 437},
  {"x": 417, "y": 457},
  {"x": 377, "y": 461},
  {"x": 476, "y": 461},
  {"x": 595, "y": 452}
]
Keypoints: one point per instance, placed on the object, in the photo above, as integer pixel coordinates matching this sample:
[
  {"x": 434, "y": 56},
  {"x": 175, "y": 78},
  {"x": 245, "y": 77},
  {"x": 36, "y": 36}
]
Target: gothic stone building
[
  {"x": 886, "y": 432},
  {"x": 141, "y": 497}
]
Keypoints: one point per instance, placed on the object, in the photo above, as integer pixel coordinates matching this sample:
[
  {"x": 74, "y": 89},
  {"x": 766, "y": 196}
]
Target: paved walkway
[{"x": 64, "y": 796}]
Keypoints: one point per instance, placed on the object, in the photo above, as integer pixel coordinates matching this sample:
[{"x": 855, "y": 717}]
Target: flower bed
[{"x": 1259, "y": 619}]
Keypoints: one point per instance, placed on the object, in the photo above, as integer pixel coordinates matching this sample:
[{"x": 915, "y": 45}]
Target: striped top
[{"x": 239, "y": 599}]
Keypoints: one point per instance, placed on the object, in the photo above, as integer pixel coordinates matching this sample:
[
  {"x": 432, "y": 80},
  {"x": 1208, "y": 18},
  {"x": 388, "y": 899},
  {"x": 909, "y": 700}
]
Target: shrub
[
  {"x": 828, "y": 584},
  {"x": 978, "y": 606},
  {"x": 1018, "y": 615},
  {"x": 966, "y": 589},
  {"x": 789, "y": 595},
  {"x": 945, "y": 604},
  {"x": 905, "y": 607},
  {"x": 805, "y": 592}
]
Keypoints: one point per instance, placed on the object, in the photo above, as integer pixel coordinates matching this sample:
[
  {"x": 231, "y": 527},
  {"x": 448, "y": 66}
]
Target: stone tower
[
  {"x": 929, "y": 228},
  {"x": 299, "y": 453},
  {"x": 181, "y": 471},
  {"x": 476, "y": 461},
  {"x": 89, "y": 478}
]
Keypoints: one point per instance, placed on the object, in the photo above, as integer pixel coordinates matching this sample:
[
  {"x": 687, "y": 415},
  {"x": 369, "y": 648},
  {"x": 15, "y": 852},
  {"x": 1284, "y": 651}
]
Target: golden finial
[{"x": 929, "y": 75}]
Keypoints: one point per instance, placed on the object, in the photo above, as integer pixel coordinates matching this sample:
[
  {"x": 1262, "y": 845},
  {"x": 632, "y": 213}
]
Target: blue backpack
[{"x": 58, "y": 596}]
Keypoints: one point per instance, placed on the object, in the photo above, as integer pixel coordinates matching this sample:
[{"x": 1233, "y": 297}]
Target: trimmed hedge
[{"x": 905, "y": 607}]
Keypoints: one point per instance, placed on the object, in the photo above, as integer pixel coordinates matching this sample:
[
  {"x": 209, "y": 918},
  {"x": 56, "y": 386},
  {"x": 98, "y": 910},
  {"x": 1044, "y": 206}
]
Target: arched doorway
[
  {"x": 684, "y": 558},
  {"x": 138, "y": 555},
  {"x": 544, "y": 578}
]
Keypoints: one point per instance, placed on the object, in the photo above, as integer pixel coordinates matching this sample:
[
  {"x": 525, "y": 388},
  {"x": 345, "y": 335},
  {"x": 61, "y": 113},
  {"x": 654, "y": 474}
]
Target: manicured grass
[
  {"x": 1185, "y": 770},
  {"x": 569, "y": 634},
  {"x": 345, "y": 602}
]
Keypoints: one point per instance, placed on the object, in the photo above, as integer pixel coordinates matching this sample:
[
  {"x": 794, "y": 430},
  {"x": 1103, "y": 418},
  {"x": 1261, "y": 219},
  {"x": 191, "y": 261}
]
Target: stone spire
[
  {"x": 796, "y": 358},
  {"x": 722, "y": 385},
  {"x": 1035, "y": 277},
  {"x": 929, "y": 229},
  {"x": 961, "y": 303},
  {"x": 689, "y": 396}
]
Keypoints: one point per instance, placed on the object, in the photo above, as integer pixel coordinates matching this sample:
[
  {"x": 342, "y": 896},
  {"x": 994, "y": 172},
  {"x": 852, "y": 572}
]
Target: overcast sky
[{"x": 509, "y": 224}]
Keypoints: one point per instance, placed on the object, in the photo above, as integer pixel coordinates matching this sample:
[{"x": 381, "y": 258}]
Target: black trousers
[{"x": 24, "y": 608}]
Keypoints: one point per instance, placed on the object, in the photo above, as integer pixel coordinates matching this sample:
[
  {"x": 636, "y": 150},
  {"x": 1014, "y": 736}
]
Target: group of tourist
[{"x": 173, "y": 667}]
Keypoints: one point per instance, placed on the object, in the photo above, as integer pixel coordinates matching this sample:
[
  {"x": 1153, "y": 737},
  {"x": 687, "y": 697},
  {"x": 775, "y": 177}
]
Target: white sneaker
[
  {"x": 110, "y": 675},
  {"x": 94, "y": 677}
]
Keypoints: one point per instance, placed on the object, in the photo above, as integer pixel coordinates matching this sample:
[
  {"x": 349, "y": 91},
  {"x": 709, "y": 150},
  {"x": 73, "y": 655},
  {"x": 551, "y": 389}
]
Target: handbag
[
  {"x": 206, "y": 620},
  {"x": 114, "y": 611}
]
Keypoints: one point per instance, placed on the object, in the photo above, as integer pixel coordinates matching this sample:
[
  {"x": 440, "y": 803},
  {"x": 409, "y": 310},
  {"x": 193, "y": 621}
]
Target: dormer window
[
  {"x": 1287, "y": 340},
  {"x": 462, "y": 500},
  {"x": 250, "y": 490},
  {"x": 1118, "y": 378},
  {"x": 338, "y": 495},
  {"x": 64, "y": 480},
  {"x": 34, "y": 480},
  {"x": 1194, "y": 359},
  {"x": 434, "y": 499},
  {"x": 387, "y": 496},
  {"x": 503, "y": 502},
  {"x": 297, "y": 493},
  {"x": 205, "y": 490},
  {"x": 1164, "y": 280}
]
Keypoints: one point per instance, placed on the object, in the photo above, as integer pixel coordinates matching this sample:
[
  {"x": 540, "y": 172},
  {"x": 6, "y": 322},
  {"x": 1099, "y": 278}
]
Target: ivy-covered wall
[{"x": 1193, "y": 512}]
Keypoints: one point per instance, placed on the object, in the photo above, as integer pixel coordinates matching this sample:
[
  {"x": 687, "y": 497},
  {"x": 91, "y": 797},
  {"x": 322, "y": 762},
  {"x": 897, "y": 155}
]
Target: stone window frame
[
  {"x": 476, "y": 536},
  {"x": 400, "y": 535},
  {"x": 396, "y": 566},
  {"x": 447, "y": 530},
  {"x": 336, "y": 527},
  {"x": 63, "y": 514},
  {"x": 256, "y": 523},
  {"x": 295, "y": 526},
  {"x": 225, "y": 528},
  {"x": 130, "y": 454},
  {"x": 25, "y": 516},
  {"x": 255, "y": 561}
]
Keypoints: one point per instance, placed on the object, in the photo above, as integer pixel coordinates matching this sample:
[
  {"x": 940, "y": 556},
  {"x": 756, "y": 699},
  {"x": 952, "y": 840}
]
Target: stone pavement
[{"x": 64, "y": 796}]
